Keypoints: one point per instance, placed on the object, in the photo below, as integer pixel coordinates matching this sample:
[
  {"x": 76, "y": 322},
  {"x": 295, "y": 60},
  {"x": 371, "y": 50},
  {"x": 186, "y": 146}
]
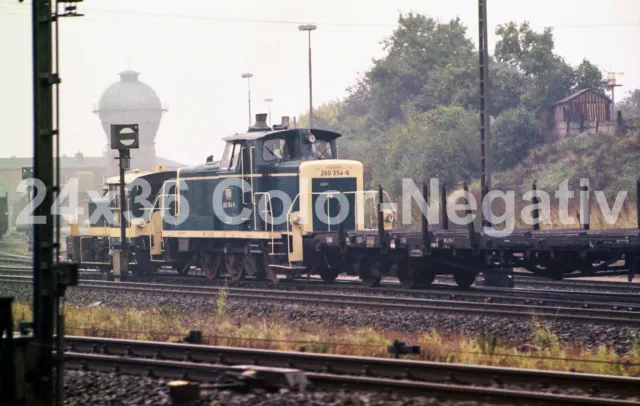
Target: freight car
[{"x": 281, "y": 202}]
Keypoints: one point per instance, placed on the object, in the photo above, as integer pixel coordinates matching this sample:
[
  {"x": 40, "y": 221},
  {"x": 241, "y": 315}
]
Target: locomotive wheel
[
  {"x": 183, "y": 268},
  {"x": 271, "y": 273},
  {"x": 369, "y": 274},
  {"x": 464, "y": 279},
  {"x": 211, "y": 264},
  {"x": 234, "y": 266}
]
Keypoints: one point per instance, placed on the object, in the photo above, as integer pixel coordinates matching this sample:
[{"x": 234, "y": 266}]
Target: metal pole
[
  {"x": 44, "y": 295},
  {"x": 123, "y": 229},
  {"x": 485, "y": 103},
  {"x": 249, "y": 97},
  {"x": 310, "y": 86}
]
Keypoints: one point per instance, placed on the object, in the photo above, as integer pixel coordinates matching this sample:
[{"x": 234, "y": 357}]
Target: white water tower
[{"x": 130, "y": 101}]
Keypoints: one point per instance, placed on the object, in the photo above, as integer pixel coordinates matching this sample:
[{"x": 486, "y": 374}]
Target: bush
[{"x": 514, "y": 133}]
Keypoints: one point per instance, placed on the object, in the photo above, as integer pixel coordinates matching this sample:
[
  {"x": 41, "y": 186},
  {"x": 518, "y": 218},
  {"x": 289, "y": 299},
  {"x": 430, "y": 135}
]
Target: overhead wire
[{"x": 287, "y": 22}]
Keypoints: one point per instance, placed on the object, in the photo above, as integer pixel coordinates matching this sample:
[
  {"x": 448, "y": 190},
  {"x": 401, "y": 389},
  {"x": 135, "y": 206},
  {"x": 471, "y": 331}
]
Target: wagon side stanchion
[
  {"x": 382, "y": 235},
  {"x": 584, "y": 205},
  {"x": 536, "y": 205},
  {"x": 426, "y": 243},
  {"x": 638, "y": 202},
  {"x": 443, "y": 207},
  {"x": 470, "y": 226},
  {"x": 635, "y": 260}
]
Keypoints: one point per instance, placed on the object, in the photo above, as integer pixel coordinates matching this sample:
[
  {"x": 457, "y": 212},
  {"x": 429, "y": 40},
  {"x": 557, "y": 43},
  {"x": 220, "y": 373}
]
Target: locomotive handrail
[{"x": 255, "y": 221}]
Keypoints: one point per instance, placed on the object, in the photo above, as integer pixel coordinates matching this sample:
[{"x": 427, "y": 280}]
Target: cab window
[
  {"x": 231, "y": 156},
  {"x": 276, "y": 149},
  {"x": 321, "y": 150}
]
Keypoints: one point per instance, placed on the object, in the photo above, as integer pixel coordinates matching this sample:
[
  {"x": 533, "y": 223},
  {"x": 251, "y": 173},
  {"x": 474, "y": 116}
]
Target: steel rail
[
  {"x": 399, "y": 304},
  {"x": 591, "y": 300},
  {"x": 374, "y": 373}
]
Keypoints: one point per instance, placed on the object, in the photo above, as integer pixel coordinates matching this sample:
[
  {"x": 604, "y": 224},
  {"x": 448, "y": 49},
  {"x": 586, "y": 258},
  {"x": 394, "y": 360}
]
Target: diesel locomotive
[{"x": 266, "y": 209}]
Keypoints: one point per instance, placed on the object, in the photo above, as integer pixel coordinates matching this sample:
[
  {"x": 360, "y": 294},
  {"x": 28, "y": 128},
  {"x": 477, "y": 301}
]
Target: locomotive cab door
[{"x": 236, "y": 197}]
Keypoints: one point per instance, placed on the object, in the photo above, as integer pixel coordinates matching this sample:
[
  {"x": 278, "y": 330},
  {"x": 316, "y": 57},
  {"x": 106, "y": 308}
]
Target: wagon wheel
[
  {"x": 464, "y": 279},
  {"x": 329, "y": 275},
  {"x": 415, "y": 275},
  {"x": 234, "y": 266},
  {"x": 183, "y": 268},
  {"x": 369, "y": 273},
  {"x": 408, "y": 276},
  {"x": 211, "y": 264}
]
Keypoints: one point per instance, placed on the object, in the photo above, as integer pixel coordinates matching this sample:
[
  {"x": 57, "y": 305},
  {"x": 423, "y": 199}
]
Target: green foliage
[
  {"x": 438, "y": 143},
  {"x": 610, "y": 162},
  {"x": 548, "y": 77},
  {"x": 630, "y": 106},
  {"x": 514, "y": 132},
  {"x": 414, "y": 113},
  {"x": 589, "y": 76},
  {"x": 221, "y": 300},
  {"x": 427, "y": 64}
]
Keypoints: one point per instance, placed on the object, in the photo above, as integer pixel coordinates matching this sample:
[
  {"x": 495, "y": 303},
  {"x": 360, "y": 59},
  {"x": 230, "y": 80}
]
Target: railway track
[
  {"x": 590, "y": 300},
  {"x": 15, "y": 259},
  {"x": 449, "y": 381},
  {"x": 625, "y": 317}
]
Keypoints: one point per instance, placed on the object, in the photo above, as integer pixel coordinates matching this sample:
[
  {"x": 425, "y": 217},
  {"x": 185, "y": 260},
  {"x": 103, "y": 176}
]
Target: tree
[
  {"x": 442, "y": 143},
  {"x": 514, "y": 132},
  {"x": 425, "y": 60},
  {"x": 532, "y": 54},
  {"x": 588, "y": 76},
  {"x": 630, "y": 106}
]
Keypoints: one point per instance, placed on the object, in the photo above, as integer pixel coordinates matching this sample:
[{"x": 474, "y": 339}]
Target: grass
[
  {"x": 168, "y": 323},
  {"x": 15, "y": 243}
]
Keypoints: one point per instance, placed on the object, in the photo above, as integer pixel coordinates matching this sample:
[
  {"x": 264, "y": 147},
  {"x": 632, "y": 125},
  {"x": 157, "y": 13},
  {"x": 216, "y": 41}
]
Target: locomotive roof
[
  {"x": 255, "y": 135},
  {"x": 129, "y": 177}
]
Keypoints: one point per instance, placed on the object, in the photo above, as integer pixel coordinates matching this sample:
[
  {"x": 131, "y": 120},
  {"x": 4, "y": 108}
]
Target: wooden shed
[{"x": 583, "y": 110}]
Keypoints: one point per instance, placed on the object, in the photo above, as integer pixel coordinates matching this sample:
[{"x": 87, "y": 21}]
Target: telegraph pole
[
  {"x": 43, "y": 274},
  {"x": 49, "y": 279}
]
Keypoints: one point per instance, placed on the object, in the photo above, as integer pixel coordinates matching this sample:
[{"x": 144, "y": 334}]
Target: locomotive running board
[{"x": 288, "y": 267}]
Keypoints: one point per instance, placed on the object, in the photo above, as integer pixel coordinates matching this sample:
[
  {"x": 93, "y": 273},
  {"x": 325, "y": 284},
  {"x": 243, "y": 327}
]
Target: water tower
[{"x": 130, "y": 101}]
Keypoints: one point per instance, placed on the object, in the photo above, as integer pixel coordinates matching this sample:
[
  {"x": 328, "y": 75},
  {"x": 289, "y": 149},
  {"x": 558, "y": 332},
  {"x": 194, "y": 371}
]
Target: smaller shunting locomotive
[{"x": 265, "y": 210}]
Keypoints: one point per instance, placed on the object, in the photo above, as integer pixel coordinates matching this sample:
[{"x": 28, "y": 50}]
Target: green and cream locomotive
[{"x": 265, "y": 210}]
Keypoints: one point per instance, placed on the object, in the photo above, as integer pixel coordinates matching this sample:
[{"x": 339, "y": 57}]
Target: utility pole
[
  {"x": 248, "y": 76},
  {"x": 309, "y": 28},
  {"x": 43, "y": 279},
  {"x": 50, "y": 278},
  {"x": 611, "y": 84},
  {"x": 485, "y": 103}
]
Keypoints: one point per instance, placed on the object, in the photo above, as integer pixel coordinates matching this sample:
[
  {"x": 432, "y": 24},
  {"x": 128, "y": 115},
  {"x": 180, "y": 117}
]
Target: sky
[{"x": 193, "y": 54}]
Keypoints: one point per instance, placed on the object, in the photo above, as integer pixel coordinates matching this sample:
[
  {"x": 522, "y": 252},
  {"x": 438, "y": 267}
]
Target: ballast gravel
[
  {"x": 94, "y": 388},
  {"x": 622, "y": 338}
]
